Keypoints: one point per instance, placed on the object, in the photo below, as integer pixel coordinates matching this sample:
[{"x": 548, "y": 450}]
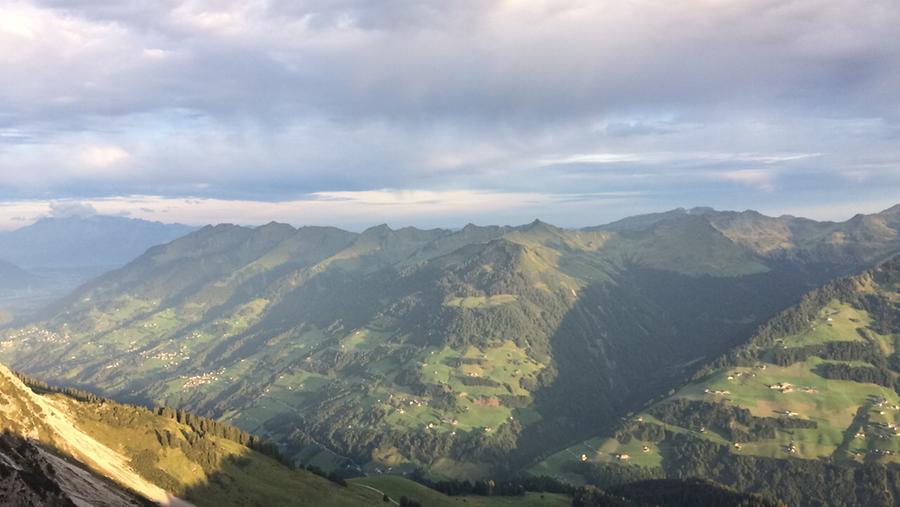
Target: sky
[{"x": 434, "y": 113}]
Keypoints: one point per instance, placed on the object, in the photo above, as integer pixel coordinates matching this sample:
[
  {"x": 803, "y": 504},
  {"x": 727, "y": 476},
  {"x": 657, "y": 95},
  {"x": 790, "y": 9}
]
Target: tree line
[
  {"x": 207, "y": 426},
  {"x": 489, "y": 487},
  {"x": 199, "y": 424}
]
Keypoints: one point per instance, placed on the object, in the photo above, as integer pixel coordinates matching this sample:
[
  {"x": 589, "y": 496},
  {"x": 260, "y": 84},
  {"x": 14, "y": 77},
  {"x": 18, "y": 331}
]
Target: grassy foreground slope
[
  {"x": 814, "y": 395},
  {"x": 467, "y": 352},
  {"x": 143, "y": 455}
]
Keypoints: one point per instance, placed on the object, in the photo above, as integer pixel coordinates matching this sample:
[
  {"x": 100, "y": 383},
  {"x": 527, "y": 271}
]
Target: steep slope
[
  {"x": 33, "y": 476},
  {"x": 460, "y": 351},
  {"x": 808, "y": 410},
  {"x": 27, "y": 415}
]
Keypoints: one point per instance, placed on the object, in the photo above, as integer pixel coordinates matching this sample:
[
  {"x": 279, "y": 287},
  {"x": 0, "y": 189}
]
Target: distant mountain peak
[
  {"x": 85, "y": 241},
  {"x": 275, "y": 225},
  {"x": 276, "y": 229},
  {"x": 539, "y": 225},
  {"x": 377, "y": 230}
]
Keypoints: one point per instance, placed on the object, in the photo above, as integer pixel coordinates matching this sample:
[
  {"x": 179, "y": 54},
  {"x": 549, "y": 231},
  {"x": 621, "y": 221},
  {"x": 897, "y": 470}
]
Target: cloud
[
  {"x": 66, "y": 209},
  {"x": 102, "y": 157},
  {"x": 594, "y": 158},
  {"x": 758, "y": 178},
  {"x": 422, "y": 208},
  {"x": 274, "y": 100},
  {"x": 356, "y": 210},
  {"x": 677, "y": 157},
  {"x": 545, "y": 61}
]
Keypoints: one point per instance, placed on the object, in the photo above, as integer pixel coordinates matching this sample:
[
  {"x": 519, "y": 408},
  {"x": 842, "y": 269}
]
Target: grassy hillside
[
  {"x": 816, "y": 387},
  {"x": 158, "y": 457},
  {"x": 392, "y": 349},
  {"x": 201, "y": 468}
]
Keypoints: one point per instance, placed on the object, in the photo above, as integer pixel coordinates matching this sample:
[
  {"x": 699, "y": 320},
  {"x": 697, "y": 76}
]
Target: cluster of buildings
[
  {"x": 203, "y": 378},
  {"x": 787, "y": 387},
  {"x": 168, "y": 358},
  {"x": 882, "y": 403},
  {"x": 37, "y": 334},
  {"x": 880, "y": 430}
]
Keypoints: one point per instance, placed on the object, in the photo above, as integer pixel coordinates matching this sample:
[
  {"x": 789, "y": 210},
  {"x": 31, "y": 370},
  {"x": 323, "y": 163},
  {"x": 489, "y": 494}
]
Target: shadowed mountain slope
[{"x": 807, "y": 410}]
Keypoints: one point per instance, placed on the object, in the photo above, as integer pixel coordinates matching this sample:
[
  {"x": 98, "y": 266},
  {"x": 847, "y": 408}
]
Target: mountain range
[
  {"x": 480, "y": 352},
  {"x": 462, "y": 352}
]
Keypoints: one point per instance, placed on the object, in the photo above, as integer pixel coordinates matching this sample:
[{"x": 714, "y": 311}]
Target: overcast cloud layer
[{"x": 354, "y": 112}]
